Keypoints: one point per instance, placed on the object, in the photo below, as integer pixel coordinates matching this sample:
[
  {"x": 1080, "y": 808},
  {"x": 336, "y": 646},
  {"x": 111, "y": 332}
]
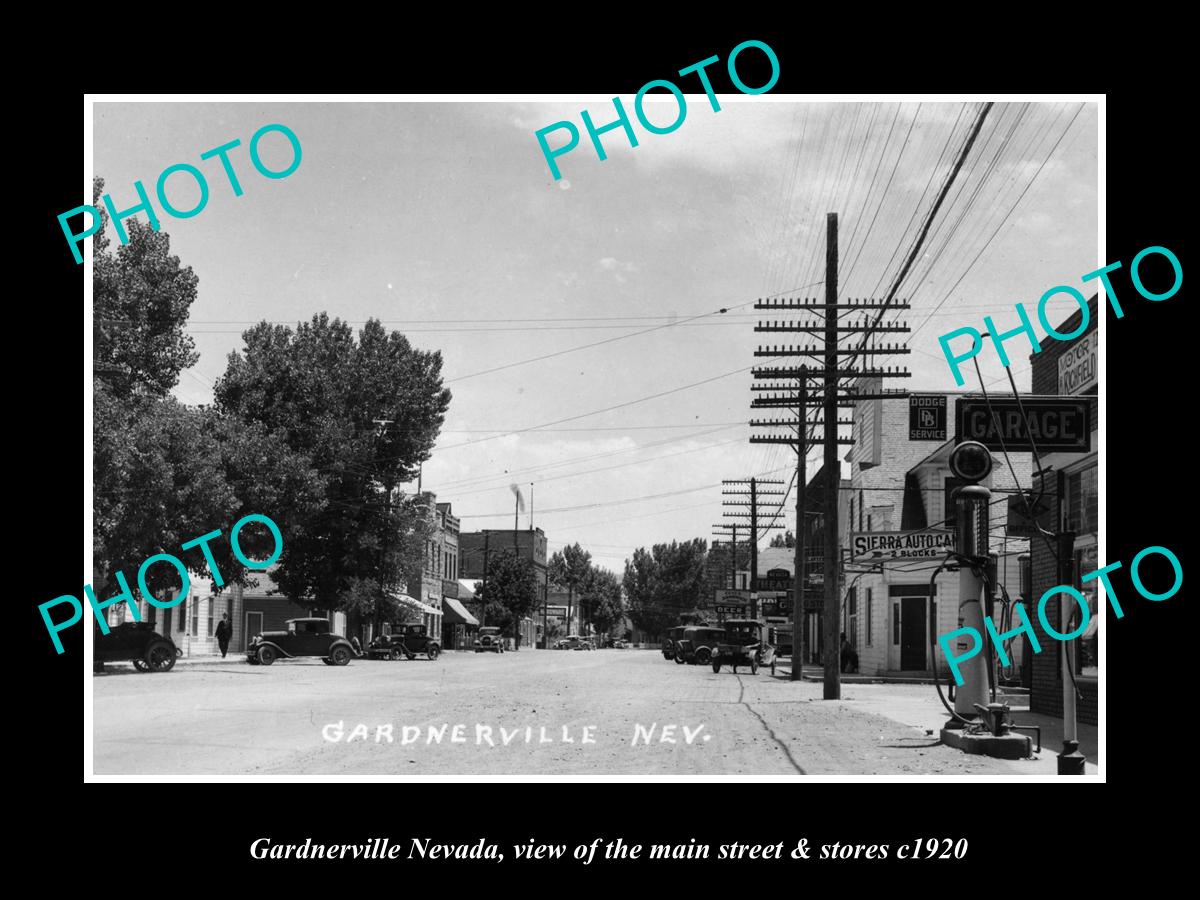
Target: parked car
[
  {"x": 385, "y": 646},
  {"x": 489, "y": 640},
  {"x": 138, "y": 643},
  {"x": 697, "y": 644},
  {"x": 302, "y": 637},
  {"x": 416, "y": 640},
  {"x": 670, "y": 636},
  {"x": 743, "y": 644}
]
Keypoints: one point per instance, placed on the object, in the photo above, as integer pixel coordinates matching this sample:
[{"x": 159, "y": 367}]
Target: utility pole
[
  {"x": 377, "y": 625},
  {"x": 1070, "y": 760},
  {"x": 755, "y": 494},
  {"x": 833, "y": 471},
  {"x": 837, "y": 364},
  {"x": 801, "y": 530},
  {"x": 487, "y": 537}
]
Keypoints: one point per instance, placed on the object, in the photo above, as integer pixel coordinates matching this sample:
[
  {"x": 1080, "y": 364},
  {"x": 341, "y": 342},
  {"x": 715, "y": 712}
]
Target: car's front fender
[{"x": 274, "y": 647}]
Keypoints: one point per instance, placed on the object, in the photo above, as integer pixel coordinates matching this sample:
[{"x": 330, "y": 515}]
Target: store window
[
  {"x": 212, "y": 609},
  {"x": 869, "y": 623},
  {"x": 1082, "y": 502}
]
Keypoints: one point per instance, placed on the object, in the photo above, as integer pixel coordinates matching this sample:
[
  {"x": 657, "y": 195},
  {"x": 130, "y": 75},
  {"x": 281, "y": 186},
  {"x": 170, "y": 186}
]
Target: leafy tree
[
  {"x": 366, "y": 599},
  {"x": 601, "y": 595},
  {"x": 787, "y": 540},
  {"x": 165, "y": 474},
  {"x": 510, "y": 592},
  {"x": 569, "y": 569},
  {"x": 367, "y": 413},
  {"x": 141, "y": 298},
  {"x": 664, "y": 583}
]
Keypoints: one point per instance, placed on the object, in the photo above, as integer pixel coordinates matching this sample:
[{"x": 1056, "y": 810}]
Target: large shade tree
[
  {"x": 510, "y": 592},
  {"x": 366, "y": 412},
  {"x": 600, "y": 594},
  {"x": 664, "y": 583},
  {"x": 165, "y": 473},
  {"x": 568, "y": 570}
]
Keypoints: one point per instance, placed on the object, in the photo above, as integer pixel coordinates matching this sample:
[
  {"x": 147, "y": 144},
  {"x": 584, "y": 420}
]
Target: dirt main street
[{"x": 607, "y": 712}]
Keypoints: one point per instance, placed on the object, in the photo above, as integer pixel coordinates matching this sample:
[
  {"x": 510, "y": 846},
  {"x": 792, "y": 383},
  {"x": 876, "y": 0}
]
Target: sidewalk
[{"x": 916, "y": 704}]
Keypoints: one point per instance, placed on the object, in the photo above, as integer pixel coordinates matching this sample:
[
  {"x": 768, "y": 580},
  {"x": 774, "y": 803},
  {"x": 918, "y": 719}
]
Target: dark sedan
[{"x": 302, "y": 637}]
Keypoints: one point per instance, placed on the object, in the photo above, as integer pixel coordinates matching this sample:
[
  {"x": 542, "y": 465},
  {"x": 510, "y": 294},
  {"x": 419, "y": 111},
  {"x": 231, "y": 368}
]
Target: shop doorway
[
  {"x": 914, "y": 633},
  {"x": 254, "y": 625}
]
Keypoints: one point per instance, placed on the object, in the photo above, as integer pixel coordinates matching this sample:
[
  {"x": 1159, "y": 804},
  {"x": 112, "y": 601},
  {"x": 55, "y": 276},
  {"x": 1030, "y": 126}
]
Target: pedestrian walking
[{"x": 224, "y": 633}]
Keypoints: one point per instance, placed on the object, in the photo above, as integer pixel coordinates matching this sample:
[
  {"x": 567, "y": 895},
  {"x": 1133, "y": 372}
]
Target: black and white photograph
[{"x": 444, "y": 437}]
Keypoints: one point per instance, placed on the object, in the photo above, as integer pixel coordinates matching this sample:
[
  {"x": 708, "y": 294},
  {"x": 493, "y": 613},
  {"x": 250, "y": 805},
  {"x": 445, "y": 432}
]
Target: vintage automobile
[
  {"x": 742, "y": 644},
  {"x": 489, "y": 640},
  {"x": 404, "y": 643},
  {"x": 697, "y": 644},
  {"x": 138, "y": 643},
  {"x": 302, "y": 637},
  {"x": 670, "y": 636}
]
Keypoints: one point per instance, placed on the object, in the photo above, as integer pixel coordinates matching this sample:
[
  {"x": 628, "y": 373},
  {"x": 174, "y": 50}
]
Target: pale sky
[{"x": 443, "y": 220}]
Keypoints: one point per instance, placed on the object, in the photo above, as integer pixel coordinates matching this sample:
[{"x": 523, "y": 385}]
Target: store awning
[
  {"x": 416, "y": 604},
  {"x": 456, "y": 613}
]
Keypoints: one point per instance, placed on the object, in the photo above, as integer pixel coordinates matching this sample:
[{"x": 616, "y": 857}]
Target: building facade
[
  {"x": 478, "y": 548},
  {"x": 901, "y": 486},
  {"x": 1070, "y": 487}
]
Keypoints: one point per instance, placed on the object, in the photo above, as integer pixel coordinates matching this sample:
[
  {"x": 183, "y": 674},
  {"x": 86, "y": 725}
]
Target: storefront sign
[
  {"x": 876, "y": 545},
  {"x": 774, "y": 580},
  {"x": 1053, "y": 424},
  {"x": 1077, "y": 366},
  {"x": 927, "y": 417}
]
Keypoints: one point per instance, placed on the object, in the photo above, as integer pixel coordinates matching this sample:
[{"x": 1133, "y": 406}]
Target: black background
[{"x": 188, "y": 832}]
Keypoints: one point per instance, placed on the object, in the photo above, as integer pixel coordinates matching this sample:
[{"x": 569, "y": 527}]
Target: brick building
[
  {"x": 1071, "y": 492},
  {"x": 903, "y": 485},
  {"x": 477, "y": 548}
]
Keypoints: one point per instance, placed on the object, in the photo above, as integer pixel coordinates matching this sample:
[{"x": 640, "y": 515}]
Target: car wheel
[
  {"x": 266, "y": 655},
  {"x": 160, "y": 657},
  {"x": 433, "y": 651},
  {"x": 394, "y": 654},
  {"x": 327, "y": 660},
  {"x": 340, "y": 656},
  {"x": 703, "y": 655},
  {"x": 252, "y": 660},
  {"x": 716, "y": 666},
  {"x": 772, "y": 667},
  {"x": 679, "y": 660},
  {"x": 753, "y": 665},
  {"x": 140, "y": 665}
]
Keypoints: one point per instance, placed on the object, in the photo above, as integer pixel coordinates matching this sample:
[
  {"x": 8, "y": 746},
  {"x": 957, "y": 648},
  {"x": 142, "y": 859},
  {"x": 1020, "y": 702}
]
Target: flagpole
[{"x": 531, "y": 506}]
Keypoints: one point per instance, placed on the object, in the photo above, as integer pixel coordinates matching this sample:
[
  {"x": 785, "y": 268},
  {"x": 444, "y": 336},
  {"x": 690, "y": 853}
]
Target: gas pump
[{"x": 971, "y": 462}]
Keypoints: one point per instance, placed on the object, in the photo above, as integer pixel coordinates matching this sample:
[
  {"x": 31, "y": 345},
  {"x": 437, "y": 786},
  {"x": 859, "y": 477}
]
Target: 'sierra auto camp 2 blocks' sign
[{"x": 867, "y": 546}]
